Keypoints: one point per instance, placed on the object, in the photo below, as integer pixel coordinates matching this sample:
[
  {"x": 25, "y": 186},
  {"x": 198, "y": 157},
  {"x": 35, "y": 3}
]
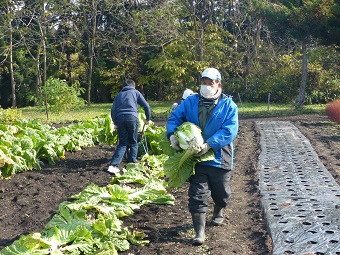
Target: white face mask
[{"x": 207, "y": 91}]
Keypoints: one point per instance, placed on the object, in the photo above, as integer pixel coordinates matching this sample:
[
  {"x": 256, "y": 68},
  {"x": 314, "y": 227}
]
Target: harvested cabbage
[
  {"x": 189, "y": 137},
  {"x": 181, "y": 165}
]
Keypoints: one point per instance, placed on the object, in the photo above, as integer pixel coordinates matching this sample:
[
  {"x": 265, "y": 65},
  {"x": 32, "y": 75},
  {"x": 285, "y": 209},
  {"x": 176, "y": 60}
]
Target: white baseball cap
[
  {"x": 211, "y": 73},
  {"x": 187, "y": 93}
]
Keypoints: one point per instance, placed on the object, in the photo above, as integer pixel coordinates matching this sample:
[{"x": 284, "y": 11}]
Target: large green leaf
[{"x": 179, "y": 167}]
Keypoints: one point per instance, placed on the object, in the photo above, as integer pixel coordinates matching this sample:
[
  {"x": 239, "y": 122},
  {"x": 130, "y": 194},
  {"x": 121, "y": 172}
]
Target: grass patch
[
  {"x": 81, "y": 114},
  {"x": 161, "y": 111},
  {"x": 257, "y": 110}
]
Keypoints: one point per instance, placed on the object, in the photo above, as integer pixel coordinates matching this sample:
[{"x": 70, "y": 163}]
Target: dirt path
[{"x": 29, "y": 199}]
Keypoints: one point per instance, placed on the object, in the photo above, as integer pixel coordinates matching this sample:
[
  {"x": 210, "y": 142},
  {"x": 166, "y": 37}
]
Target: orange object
[{"x": 333, "y": 111}]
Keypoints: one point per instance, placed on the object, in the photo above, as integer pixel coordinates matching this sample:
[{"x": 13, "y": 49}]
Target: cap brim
[{"x": 207, "y": 77}]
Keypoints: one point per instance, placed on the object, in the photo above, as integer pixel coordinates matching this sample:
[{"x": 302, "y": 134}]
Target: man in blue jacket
[
  {"x": 217, "y": 115},
  {"x": 124, "y": 114}
]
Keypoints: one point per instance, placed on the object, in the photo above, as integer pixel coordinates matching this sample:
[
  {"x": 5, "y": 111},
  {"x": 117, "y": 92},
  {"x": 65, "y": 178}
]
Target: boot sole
[
  {"x": 197, "y": 242},
  {"x": 215, "y": 223}
]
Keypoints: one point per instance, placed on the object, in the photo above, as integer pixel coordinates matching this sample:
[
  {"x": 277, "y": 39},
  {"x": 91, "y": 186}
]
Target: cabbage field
[{"x": 56, "y": 197}]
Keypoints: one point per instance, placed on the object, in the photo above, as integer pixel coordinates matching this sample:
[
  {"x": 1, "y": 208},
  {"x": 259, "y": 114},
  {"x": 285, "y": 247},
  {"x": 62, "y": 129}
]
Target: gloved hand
[
  {"x": 204, "y": 149},
  {"x": 174, "y": 142}
]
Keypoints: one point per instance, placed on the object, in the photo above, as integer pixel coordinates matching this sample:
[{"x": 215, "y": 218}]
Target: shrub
[
  {"x": 61, "y": 96},
  {"x": 9, "y": 114}
]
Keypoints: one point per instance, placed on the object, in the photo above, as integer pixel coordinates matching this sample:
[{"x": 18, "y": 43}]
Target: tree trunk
[
  {"x": 252, "y": 52},
  {"x": 301, "y": 97},
  {"x": 39, "y": 82},
  {"x": 69, "y": 66},
  {"x": 91, "y": 47},
  {"x": 200, "y": 43},
  {"x": 160, "y": 91},
  {"x": 90, "y": 71},
  {"x": 44, "y": 80},
  {"x": 11, "y": 69}
]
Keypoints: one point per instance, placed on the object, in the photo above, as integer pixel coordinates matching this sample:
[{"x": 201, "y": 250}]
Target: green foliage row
[{"x": 24, "y": 143}]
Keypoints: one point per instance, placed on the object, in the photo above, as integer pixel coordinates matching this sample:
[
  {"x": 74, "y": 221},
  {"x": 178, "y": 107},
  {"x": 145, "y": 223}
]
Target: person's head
[
  {"x": 211, "y": 84},
  {"x": 187, "y": 93},
  {"x": 129, "y": 82}
]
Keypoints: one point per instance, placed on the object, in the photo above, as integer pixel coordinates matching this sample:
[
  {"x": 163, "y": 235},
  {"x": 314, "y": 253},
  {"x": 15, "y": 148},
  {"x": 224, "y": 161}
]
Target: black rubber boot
[
  {"x": 198, "y": 220},
  {"x": 218, "y": 217}
]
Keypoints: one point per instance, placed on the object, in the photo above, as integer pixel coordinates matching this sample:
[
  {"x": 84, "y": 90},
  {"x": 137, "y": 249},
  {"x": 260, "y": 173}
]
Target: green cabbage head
[{"x": 189, "y": 136}]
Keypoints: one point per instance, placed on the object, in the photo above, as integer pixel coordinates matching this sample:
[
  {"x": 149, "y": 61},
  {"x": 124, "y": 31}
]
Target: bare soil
[{"x": 28, "y": 200}]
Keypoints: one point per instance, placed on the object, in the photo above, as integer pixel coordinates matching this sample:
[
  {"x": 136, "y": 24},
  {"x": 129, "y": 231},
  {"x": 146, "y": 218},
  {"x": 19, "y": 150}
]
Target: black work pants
[{"x": 208, "y": 181}]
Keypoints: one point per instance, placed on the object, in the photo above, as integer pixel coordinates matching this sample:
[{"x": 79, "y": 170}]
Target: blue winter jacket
[
  {"x": 127, "y": 101},
  {"x": 219, "y": 132}
]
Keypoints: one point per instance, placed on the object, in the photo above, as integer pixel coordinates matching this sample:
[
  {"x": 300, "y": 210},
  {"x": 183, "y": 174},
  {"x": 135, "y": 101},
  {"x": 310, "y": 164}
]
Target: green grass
[
  {"x": 161, "y": 110},
  {"x": 80, "y": 114},
  {"x": 256, "y": 110}
]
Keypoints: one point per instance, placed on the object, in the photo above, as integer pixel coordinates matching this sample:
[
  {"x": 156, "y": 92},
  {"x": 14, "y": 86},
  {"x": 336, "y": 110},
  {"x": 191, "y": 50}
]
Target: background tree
[
  {"x": 89, "y": 10},
  {"x": 137, "y": 32},
  {"x": 8, "y": 15},
  {"x": 301, "y": 20},
  {"x": 164, "y": 45},
  {"x": 11, "y": 69},
  {"x": 247, "y": 41},
  {"x": 331, "y": 34},
  {"x": 200, "y": 14}
]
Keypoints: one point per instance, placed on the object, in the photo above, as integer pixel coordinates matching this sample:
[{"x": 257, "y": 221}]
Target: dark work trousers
[
  {"x": 127, "y": 127},
  {"x": 208, "y": 181}
]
